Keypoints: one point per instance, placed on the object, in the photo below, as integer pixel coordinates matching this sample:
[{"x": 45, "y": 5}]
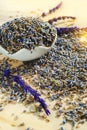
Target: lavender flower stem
[
  {"x": 52, "y": 10},
  {"x": 66, "y": 30},
  {"x": 51, "y": 21},
  {"x": 27, "y": 88}
]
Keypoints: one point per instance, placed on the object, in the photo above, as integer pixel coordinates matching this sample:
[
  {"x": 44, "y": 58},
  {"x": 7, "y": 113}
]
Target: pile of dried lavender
[
  {"x": 26, "y": 33},
  {"x": 62, "y": 73}
]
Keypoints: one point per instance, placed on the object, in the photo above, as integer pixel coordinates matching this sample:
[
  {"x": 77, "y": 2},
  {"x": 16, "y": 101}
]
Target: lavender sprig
[
  {"x": 51, "y": 21},
  {"x": 52, "y": 10},
  {"x": 66, "y": 30},
  {"x": 27, "y": 89},
  {"x": 55, "y": 8}
]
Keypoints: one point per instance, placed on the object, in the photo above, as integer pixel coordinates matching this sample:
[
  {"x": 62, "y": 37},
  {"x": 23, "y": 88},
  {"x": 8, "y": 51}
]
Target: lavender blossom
[
  {"x": 51, "y": 21},
  {"x": 6, "y": 73},
  {"x": 33, "y": 92},
  {"x": 52, "y": 10},
  {"x": 27, "y": 89},
  {"x": 55, "y": 8},
  {"x": 66, "y": 30}
]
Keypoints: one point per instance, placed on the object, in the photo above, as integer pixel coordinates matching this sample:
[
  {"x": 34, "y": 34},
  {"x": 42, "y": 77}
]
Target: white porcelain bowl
[{"x": 26, "y": 55}]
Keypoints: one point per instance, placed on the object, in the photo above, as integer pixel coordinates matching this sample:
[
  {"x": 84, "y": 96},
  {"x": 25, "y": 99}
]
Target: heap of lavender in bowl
[{"x": 26, "y": 32}]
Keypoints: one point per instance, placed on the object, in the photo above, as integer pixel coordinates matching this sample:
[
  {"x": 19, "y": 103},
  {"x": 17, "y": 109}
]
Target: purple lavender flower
[
  {"x": 27, "y": 89},
  {"x": 33, "y": 92},
  {"x": 66, "y": 30},
  {"x": 52, "y": 10},
  {"x": 6, "y": 72},
  {"x": 51, "y": 21},
  {"x": 55, "y": 8}
]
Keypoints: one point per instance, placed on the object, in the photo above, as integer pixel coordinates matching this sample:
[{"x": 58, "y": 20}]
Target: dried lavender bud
[
  {"x": 6, "y": 73},
  {"x": 26, "y": 33},
  {"x": 43, "y": 14},
  {"x": 61, "y": 74}
]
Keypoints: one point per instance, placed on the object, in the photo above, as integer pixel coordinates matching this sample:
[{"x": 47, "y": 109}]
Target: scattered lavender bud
[
  {"x": 62, "y": 128},
  {"x": 64, "y": 121}
]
